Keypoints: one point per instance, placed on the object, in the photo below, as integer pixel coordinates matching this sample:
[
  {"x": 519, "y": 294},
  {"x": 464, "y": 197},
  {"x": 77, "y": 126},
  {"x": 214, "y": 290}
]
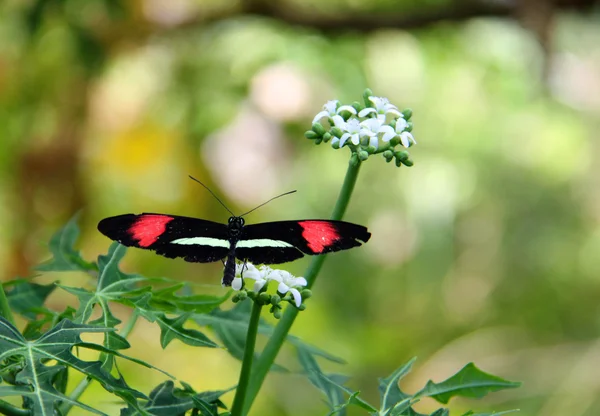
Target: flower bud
[
  {"x": 388, "y": 155},
  {"x": 336, "y": 131},
  {"x": 363, "y": 155},
  {"x": 326, "y": 137},
  {"x": 319, "y": 129},
  {"x": 306, "y": 293},
  {"x": 302, "y": 307},
  {"x": 357, "y": 106},
  {"x": 366, "y": 96},
  {"x": 264, "y": 298},
  {"x": 277, "y": 314},
  {"x": 319, "y": 140},
  {"x": 354, "y": 160},
  {"x": 402, "y": 155},
  {"x": 409, "y": 127},
  {"x": 310, "y": 135},
  {"x": 407, "y": 162},
  {"x": 242, "y": 295},
  {"x": 275, "y": 299},
  {"x": 407, "y": 113}
]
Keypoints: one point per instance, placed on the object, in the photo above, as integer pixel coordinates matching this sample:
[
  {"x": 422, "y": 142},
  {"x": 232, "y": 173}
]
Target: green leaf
[
  {"x": 64, "y": 256},
  {"x": 168, "y": 400},
  {"x": 468, "y": 382},
  {"x": 55, "y": 346},
  {"x": 353, "y": 395},
  {"x": 311, "y": 368},
  {"x": 26, "y": 296},
  {"x": 235, "y": 320},
  {"x": 173, "y": 329},
  {"x": 441, "y": 412},
  {"x": 389, "y": 391}
]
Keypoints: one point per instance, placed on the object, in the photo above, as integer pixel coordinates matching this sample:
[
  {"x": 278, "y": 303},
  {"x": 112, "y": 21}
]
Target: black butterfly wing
[
  {"x": 193, "y": 239},
  {"x": 283, "y": 241}
]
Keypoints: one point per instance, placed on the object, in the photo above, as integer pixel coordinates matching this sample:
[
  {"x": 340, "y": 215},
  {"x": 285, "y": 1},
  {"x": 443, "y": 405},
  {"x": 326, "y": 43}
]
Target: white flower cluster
[
  {"x": 381, "y": 121},
  {"x": 264, "y": 274}
]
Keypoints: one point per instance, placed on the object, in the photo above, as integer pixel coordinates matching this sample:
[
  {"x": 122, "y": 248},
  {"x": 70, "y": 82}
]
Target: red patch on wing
[
  {"x": 318, "y": 234},
  {"x": 148, "y": 228}
]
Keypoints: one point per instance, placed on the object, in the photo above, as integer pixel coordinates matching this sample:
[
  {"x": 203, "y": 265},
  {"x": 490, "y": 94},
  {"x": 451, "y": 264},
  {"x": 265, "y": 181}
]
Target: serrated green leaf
[
  {"x": 64, "y": 256},
  {"x": 27, "y": 296},
  {"x": 389, "y": 391},
  {"x": 170, "y": 302},
  {"x": 311, "y": 368},
  {"x": 236, "y": 319},
  {"x": 173, "y": 329},
  {"x": 168, "y": 400},
  {"x": 56, "y": 346},
  {"x": 470, "y": 381},
  {"x": 353, "y": 395}
]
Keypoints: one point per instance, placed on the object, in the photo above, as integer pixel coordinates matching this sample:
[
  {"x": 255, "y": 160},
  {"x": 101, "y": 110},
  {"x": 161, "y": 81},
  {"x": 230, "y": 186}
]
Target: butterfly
[{"x": 203, "y": 241}]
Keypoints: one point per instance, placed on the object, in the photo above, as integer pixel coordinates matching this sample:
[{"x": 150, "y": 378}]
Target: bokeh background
[{"x": 487, "y": 250}]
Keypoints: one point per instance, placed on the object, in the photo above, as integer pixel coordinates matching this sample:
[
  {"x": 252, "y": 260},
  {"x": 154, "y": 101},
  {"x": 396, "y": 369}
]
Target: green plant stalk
[
  {"x": 266, "y": 359},
  {"x": 240, "y": 393},
  {"x": 5, "y": 311},
  {"x": 83, "y": 384}
]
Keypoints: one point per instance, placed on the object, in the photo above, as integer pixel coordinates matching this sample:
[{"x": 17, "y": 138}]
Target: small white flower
[
  {"x": 330, "y": 109},
  {"x": 352, "y": 131},
  {"x": 383, "y": 107},
  {"x": 371, "y": 129},
  {"x": 289, "y": 283},
  {"x": 262, "y": 278},
  {"x": 406, "y": 138}
]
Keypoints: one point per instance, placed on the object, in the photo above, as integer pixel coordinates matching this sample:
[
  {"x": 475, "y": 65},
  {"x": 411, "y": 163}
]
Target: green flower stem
[
  {"x": 240, "y": 393},
  {"x": 5, "y": 311},
  {"x": 9, "y": 410},
  {"x": 83, "y": 384},
  {"x": 266, "y": 359}
]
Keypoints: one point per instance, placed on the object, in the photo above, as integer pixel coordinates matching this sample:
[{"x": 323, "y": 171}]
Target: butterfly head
[{"x": 235, "y": 224}]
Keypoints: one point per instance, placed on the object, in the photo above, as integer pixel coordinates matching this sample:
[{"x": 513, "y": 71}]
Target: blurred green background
[{"x": 487, "y": 250}]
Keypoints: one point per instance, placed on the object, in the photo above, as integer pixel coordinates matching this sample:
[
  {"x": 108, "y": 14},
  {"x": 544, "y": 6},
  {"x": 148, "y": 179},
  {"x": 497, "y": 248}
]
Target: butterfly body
[{"x": 197, "y": 240}]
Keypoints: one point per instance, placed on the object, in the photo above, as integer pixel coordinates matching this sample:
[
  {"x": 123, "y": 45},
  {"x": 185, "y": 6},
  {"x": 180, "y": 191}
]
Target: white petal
[
  {"x": 330, "y": 106},
  {"x": 393, "y": 111},
  {"x": 297, "y": 297},
  {"x": 283, "y": 288},
  {"x": 353, "y": 126},
  {"x": 348, "y": 108},
  {"x": 275, "y": 275},
  {"x": 259, "y": 284},
  {"x": 388, "y": 133},
  {"x": 237, "y": 283},
  {"x": 335, "y": 140},
  {"x": 406, "y": 138},
  {"x": 373, "y": 125},
  {"x": 300, "y": 281},
  {"x": 374, "y": 141},
  {"x": 339, "y": 122},
  {"x": 378, "y": 102},
  {"x": 405, "y": 142},
  {"x": 355, "y": 139},
  {"x": 319, "y": 116},
  {"x": 401, "y": 124},
  {"x": 344, "y": 137},
  {"x": 366, "y": 111}
]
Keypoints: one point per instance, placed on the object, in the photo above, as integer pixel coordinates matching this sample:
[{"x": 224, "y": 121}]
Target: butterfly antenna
[
  {"x": 265, "y": 203},
  {"x": 213, "y": 194}
]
